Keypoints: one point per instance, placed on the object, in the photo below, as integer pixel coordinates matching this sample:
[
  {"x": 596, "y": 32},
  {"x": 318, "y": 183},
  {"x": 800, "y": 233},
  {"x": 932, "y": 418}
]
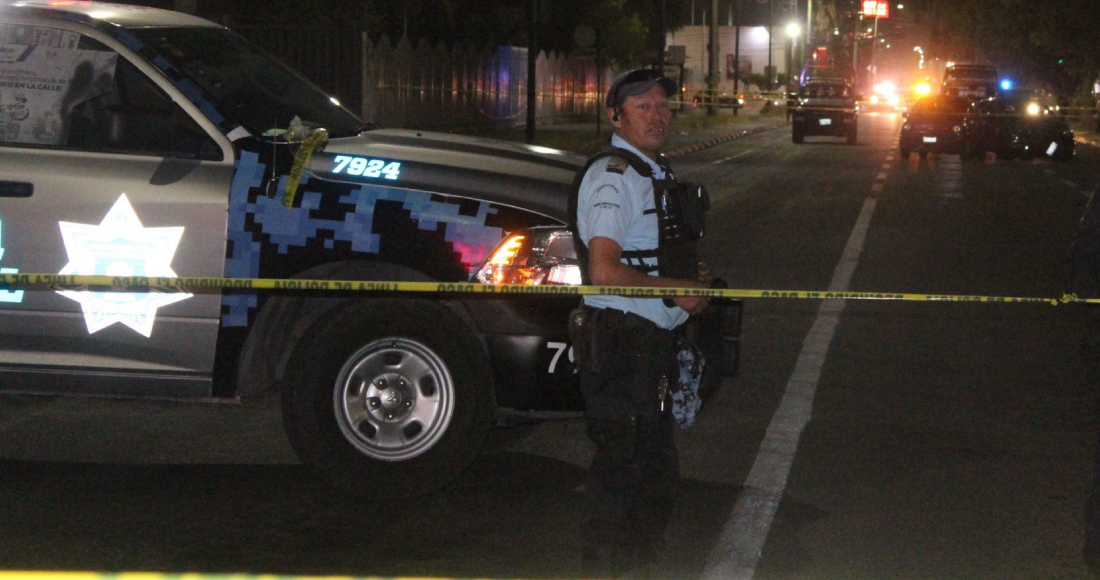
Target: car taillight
[{"x": 532, "y": 257}]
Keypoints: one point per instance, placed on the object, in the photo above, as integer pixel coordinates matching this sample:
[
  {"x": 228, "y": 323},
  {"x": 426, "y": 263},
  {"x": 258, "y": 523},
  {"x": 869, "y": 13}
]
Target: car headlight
[
  {"x": 957, "y": 129},
  {"x": 532, "y": 257},
  {"x": 906, "y": 127},
  {"x": 1033, "y": 109}
]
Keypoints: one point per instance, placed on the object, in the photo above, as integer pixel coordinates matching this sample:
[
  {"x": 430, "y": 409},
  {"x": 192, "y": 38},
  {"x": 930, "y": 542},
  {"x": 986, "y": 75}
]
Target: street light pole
[
  {"x": 874, "y": 53},
  {"x": 771, "y": 27},
  {"x": 809, "y": 38},
  {"x": 792, "y": 33},
  {"x": 737, "y": 54},
  {"x": 712, "y": 80},
  {"x": 532, "y": 77}
]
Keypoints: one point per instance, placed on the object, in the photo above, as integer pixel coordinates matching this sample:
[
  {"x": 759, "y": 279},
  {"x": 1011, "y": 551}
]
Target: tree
[{"x": 1046, "y": 44}]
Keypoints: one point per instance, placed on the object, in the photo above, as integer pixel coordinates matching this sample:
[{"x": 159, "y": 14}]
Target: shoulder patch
[{"x": 618, "y": 165}]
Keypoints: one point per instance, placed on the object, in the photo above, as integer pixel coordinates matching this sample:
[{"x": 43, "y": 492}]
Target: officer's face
[{"x": 644, "y": 121}]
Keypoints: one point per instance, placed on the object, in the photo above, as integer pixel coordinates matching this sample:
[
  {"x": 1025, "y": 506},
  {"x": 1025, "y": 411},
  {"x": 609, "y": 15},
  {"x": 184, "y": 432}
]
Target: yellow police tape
[
  {"x": 51, "y": 575},
  {"x": 301, "y": 158},
  {"x": 212, "y": 284}
]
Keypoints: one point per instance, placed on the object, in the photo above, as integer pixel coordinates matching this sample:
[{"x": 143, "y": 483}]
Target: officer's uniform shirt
[{"x": 612, "y": 203}]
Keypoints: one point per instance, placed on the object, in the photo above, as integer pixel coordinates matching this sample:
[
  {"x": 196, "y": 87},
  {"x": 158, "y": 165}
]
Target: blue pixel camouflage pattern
[{"x": 446, "y": 238}]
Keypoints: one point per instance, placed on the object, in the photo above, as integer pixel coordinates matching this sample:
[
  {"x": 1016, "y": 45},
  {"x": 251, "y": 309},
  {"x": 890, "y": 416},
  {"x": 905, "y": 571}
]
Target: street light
[{"x": 793, "y": 31}]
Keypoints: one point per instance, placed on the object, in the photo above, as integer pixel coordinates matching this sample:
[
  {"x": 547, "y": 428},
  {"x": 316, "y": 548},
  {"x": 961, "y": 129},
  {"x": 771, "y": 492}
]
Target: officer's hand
[
  {"x": 705, "y": 277},
  {"x": 692, "y": 304}
]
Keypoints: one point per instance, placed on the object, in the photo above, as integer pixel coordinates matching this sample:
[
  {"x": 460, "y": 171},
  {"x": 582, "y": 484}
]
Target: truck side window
[{"x": 68, "y": 91}]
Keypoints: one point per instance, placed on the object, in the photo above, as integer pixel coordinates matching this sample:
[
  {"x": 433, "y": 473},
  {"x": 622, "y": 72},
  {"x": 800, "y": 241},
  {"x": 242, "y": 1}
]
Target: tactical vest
[{"x": 680, "y": 209}]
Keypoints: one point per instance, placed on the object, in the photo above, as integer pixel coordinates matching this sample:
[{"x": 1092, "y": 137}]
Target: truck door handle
[{"x": 16, "y": 189}]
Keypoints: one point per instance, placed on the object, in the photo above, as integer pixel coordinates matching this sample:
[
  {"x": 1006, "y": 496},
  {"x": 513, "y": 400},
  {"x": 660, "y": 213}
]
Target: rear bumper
[
  {"x": 818, "y": 123},
  {"x": 945, "y": 142}
]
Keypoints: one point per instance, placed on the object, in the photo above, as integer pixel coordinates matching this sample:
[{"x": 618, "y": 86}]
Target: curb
[{"x": 722, "y": 139}]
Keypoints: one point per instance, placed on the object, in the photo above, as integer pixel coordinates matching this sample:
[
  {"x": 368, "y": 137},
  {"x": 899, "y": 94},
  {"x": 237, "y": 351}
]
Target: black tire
[
  {"x": 798, "y": 136},
  {"x": 853, "y": 136},
  {"x": 905, "y": 154},
  {"x": 923, "y": 154},
  {"x": 415, "y": 401}
]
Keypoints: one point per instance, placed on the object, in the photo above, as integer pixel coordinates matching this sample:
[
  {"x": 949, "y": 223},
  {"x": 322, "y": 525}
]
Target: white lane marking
[
  {"x": 745, "y": 152},
  {"x": 737, "y": 552},
  {"x": 881, "y": 176},
  {"x": 732, "y": 157},
  {"x": 1069, "y": 184},
  {"x": 876, "y": 187}
]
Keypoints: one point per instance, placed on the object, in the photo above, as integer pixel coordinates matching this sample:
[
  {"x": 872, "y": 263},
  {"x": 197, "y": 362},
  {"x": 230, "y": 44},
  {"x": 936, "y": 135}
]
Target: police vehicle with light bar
[{"x": 143, "y": 142}]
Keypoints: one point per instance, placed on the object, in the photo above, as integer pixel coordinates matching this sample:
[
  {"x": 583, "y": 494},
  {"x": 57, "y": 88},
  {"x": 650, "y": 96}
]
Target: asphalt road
[{"x": 862, "y": 440}]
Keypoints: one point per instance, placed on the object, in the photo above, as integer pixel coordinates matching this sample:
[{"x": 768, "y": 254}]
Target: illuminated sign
[
  {"x": 120, "y": 246},
  {"x": 363, "y": 167},
  {"x": 8, "y": 295},
  {"x": 876, "y": 8}
]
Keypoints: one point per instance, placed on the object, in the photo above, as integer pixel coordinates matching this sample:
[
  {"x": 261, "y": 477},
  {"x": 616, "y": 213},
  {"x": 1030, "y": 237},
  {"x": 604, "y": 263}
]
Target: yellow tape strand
[
  {"x": 301, "y": 159},
  {"x": 210, "y": 284},
  {"x": 55, "y": 575}
]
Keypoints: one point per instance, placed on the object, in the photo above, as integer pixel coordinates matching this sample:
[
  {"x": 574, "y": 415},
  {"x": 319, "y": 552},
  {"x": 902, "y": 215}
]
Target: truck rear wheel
[{"x": 388, "y": 398}]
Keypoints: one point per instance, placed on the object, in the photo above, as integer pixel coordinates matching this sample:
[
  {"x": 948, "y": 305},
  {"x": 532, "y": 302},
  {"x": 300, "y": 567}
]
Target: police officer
[{"x": 626, "y": 348}]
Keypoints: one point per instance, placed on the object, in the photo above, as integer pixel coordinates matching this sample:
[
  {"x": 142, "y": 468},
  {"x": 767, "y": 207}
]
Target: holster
[{"x": 621, "y": 358}]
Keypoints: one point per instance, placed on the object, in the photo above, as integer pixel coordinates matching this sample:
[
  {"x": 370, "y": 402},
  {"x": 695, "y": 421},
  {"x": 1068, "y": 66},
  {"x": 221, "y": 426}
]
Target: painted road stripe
[
  {"x": 732, "y": 157},
  {"x": 881, "y": 176},
  {"x": 877, "y": 187},
  {"x": 738, "y": 550}
]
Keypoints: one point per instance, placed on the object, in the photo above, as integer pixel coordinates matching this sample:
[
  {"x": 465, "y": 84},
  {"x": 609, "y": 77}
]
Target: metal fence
[
  {"x": 433, "y": 87},
  {"x": 436, "y": 87}
]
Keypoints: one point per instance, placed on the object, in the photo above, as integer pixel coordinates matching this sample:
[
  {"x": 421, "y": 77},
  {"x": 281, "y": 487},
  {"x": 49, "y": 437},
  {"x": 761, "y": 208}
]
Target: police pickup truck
[
  {"x": 825, "y": 107},
  {"x": 143, "y": 142}
]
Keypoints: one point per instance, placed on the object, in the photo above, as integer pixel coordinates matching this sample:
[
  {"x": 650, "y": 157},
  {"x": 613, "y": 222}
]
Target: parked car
[
  {"x": 934, "y": 124},
  {"x": 144, "y": 142},
  {"x": 825, "y": 108},
  {"x": 1018, "y": 126}
]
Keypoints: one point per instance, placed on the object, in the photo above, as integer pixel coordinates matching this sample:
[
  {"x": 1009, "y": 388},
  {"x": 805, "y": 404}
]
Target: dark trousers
[{"x": 632, "y": 481}]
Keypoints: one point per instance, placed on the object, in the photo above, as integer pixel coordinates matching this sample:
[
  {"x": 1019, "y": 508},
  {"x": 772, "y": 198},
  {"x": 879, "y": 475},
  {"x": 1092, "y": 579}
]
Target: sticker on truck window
[
  {"x": 120, "y": 246},
  {"x": 47, "y": 85},
  {"x": 8, "y": 296}
]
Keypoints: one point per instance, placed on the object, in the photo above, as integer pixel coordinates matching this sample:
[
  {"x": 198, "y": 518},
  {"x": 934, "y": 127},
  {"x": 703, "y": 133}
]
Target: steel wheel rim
[{"x": 394, "y": 399}]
